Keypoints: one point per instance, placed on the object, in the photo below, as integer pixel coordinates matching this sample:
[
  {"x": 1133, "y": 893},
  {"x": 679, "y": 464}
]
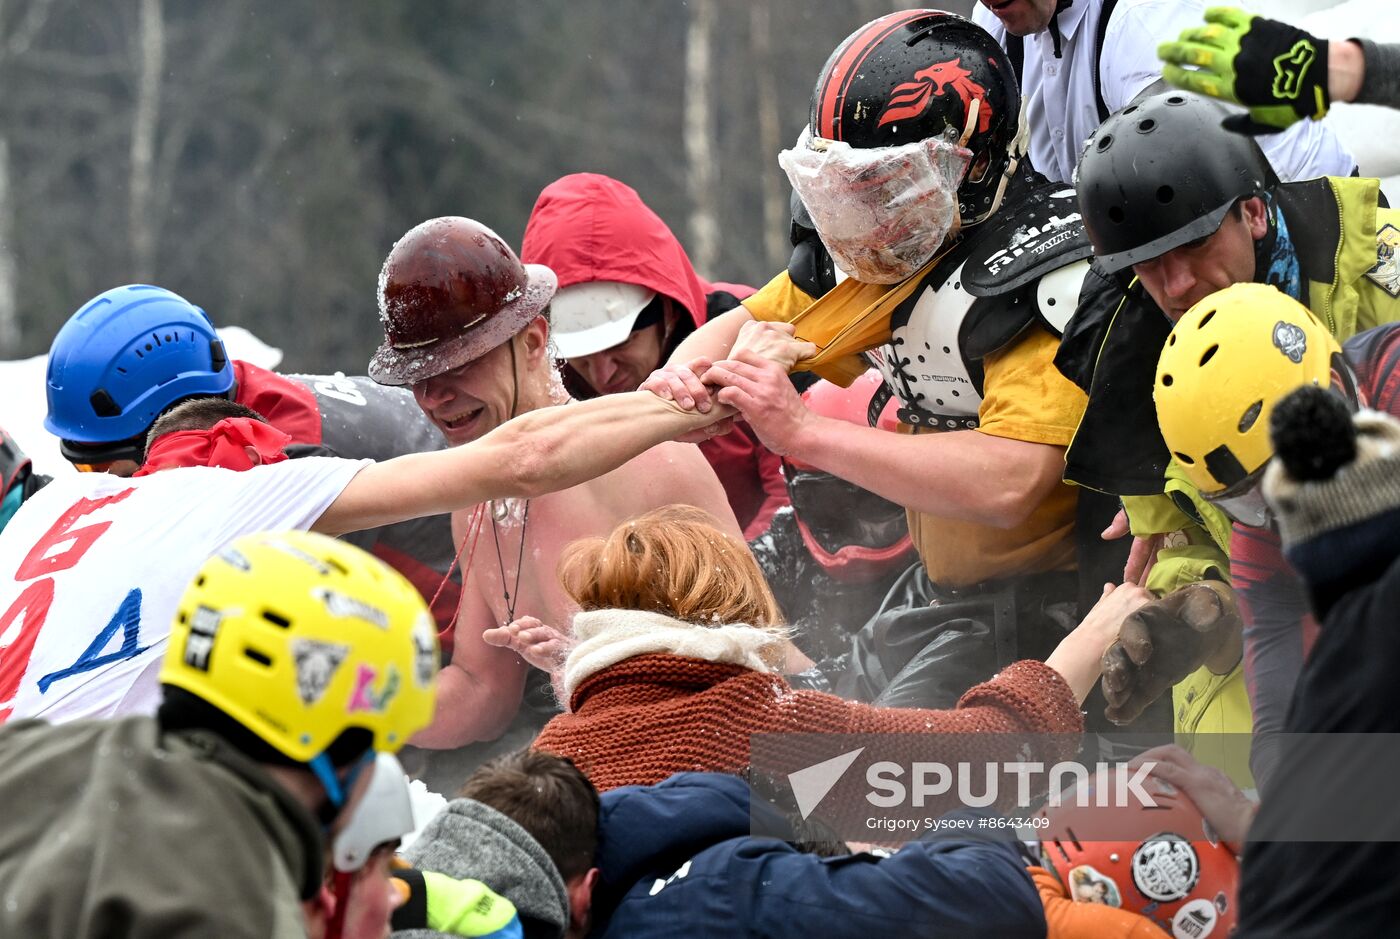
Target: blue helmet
[{"x": 120, "y": 361}]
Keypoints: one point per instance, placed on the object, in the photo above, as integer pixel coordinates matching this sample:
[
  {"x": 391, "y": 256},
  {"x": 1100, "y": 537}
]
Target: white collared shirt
[{"x": 1058, "y": 94}]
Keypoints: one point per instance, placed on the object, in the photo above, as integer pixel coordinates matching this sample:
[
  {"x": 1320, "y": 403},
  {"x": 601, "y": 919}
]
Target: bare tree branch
[
  {"x": 699, "y": 123},
  {"x": 141, "y": 224}
]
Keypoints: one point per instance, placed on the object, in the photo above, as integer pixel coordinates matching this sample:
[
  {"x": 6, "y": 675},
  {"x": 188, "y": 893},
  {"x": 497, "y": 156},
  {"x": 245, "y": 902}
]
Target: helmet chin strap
[{"x": 1016, "y": 149}]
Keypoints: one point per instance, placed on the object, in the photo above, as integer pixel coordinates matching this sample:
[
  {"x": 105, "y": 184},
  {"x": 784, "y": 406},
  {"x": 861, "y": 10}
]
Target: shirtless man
[
  {"x": 94, "y": 548},
  {"x": 467, "y": 327}
]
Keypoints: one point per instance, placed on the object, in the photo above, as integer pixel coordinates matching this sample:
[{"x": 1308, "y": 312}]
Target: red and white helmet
[
  {"x": 1164, "y": 862},
  {"x": 851, "y": 532}
]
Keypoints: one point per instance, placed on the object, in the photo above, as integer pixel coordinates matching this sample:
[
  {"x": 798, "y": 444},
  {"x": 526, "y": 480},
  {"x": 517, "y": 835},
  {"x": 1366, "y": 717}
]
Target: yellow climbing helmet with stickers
[
  {"x": 300, "y": 637},
  {"x": 1228, "y": 360}
]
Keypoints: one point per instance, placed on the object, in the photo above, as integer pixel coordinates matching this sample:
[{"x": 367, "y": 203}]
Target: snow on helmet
[
  {"x": 1227, "y": 362},
  {"x": 1161, "y": 173},
  {"x": 916, "y": 74},
  {"x": 450, "y": 292},
  {"x": 300, "y": 637},
  {"x": 1163, "y": 862},
  {"x": 122, "y": 359}
]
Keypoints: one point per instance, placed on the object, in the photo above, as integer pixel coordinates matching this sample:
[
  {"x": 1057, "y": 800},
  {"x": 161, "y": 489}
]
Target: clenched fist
[{"x": 1164, "y": 641}]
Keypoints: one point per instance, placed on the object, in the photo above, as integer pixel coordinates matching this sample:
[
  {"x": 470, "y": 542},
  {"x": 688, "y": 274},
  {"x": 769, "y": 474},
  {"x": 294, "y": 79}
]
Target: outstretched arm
[
  {"x": 1276, "y": 70},
  {"x": 967, "y": 475},
  {"x": 538, "y": 452},
  {"x": 681, "y": 379}
]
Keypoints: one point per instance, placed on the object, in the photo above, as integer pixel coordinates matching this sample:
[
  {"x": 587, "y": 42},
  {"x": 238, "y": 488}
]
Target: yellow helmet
[
  {"x": 1226, "y": 364},
  {"x": 300, "y": 637}
]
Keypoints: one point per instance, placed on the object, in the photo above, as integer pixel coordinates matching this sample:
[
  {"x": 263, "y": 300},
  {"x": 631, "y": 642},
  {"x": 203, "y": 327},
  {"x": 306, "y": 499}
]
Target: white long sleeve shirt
[{"x": 1058, "y": 94}]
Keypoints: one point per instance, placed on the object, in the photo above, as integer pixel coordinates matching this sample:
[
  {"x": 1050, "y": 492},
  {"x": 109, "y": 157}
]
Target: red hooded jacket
[{"x": 589, "y": 227}]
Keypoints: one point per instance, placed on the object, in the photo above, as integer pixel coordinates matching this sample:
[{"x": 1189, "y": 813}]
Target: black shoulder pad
[
  {"x": 1038, "y": 232},
  {"x": 993, "y": 322},
  {"x": 811, "y": 268}
]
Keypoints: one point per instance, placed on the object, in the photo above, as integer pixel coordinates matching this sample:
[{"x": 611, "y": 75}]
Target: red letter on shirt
[
  {"x": 35, "y": 562},
  {"x": 17, "y": 642}
]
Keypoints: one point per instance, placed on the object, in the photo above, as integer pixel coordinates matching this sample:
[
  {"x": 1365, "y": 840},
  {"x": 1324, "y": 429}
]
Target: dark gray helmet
[{"x": 1162, "y": 172}]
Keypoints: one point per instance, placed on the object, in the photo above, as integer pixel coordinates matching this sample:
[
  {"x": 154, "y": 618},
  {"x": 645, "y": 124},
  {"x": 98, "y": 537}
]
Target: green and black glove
[{"x": 1275, "y": 70}]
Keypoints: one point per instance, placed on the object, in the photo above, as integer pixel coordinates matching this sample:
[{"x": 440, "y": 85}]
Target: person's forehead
[{"x": 483, "y": 365}]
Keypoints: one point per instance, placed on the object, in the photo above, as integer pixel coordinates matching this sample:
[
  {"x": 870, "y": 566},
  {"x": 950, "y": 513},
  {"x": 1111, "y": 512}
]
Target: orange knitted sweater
[{"x": 650, "y": 716}]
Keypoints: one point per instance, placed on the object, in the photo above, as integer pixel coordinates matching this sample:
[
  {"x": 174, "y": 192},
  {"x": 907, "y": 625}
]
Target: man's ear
[
  {"x": 535, "y": 339},
  {"x": 318, "y": 912},
  {"x": 580, "y": 890},
  {"x": 253, "y": 455},
  {"x": 1256, "y": 216}
]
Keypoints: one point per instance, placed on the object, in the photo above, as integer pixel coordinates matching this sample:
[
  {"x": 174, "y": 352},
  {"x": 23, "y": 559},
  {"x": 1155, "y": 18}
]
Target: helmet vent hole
[
  {"x": 1104, "y": 143},
  {"x": 1250, "y": 416},
  {"x": 1130, "y": 109},
  {"x": 1167, "y": 380},
  {"x": 258, "y": 657},
  {"x": 103, "y": 405},
  {"x": 1165, "y": 194},
  {"x": 1115, "y": 214},
  {"x": 279, "y": 621},
  {"x": 1074, "y": 838},
  {"x": 1183, "y": 458},
  {"x": 1176, "y": 99},
  {"x": 1209, "y": 354},
  {"x": 1205, "y": 319},
  {"x": 1147, "y": 125},
  {"x": 340, "y": 568},
  {"x": 1171, "y": 340},
  {"x": 1061, "y": 848},
  {"x": 199, "y": 581}
]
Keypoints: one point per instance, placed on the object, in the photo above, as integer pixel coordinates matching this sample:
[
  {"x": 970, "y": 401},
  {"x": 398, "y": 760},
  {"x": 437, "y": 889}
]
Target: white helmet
[
  {"x": 384, "y": 814},
  {"x": 588, "y": 318}
]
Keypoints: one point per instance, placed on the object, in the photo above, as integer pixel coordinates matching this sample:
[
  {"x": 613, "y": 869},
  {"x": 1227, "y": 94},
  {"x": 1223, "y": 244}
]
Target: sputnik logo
[
  {"x": 908, "y": 100},
  {"x": 810, "y": 785}
]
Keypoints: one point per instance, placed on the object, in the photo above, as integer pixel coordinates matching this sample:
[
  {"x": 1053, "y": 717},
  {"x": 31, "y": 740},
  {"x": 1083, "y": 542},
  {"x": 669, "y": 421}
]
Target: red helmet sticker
[{"x": 910, "y": 99}]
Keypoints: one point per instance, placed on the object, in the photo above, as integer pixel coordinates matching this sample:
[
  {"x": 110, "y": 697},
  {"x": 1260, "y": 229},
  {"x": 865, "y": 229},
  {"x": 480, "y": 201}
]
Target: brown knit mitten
[{"x": 1166, "y": 640}]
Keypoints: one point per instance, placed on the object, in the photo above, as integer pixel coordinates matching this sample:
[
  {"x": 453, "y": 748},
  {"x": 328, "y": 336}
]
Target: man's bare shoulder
[{"x": 682, "y": 463}]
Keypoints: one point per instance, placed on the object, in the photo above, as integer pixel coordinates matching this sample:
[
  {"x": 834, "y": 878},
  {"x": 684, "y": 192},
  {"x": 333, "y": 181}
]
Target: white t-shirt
[
  {"x": 1058, "y": 94},
  {"x": 93, "y": 566}
]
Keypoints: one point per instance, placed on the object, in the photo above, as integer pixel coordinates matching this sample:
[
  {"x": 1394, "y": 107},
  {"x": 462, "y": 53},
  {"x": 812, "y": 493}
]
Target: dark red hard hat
[{"x": 451, "y": 291}]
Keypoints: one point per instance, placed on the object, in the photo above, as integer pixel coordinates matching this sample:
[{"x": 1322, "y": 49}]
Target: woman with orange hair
[{"x": 676, "y": 658}]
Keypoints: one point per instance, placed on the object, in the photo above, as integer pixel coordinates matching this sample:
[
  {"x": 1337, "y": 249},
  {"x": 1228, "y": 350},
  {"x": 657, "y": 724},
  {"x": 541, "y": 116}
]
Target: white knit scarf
[{"x": 602, "y": 638}]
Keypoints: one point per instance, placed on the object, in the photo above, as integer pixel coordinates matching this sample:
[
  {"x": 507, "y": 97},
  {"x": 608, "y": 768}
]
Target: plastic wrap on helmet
[{"x": 881, "y": 212}]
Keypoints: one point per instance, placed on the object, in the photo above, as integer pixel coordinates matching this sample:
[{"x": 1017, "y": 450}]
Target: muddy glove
[
  {"x": 1276, "y": 70},
  {"x": 1166, "y": 640}
]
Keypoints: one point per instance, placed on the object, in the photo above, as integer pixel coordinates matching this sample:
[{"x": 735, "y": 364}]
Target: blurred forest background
[{"x": 261, "y": 158}]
